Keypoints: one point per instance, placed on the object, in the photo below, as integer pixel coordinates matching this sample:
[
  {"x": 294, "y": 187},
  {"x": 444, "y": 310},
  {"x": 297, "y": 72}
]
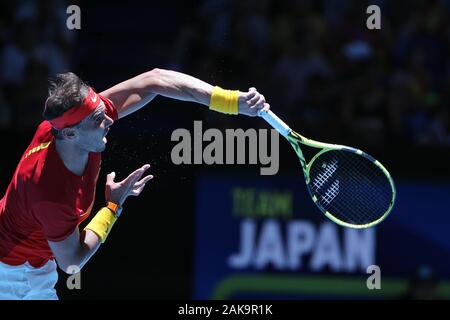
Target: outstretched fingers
[
  {"x": 139, "y": 186},
  {"x": 143, "y": 181},
  {"x": 135, "y": 175}
]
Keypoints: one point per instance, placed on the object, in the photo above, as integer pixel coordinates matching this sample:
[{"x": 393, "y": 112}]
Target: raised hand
[{"x": 132, "y": 185}]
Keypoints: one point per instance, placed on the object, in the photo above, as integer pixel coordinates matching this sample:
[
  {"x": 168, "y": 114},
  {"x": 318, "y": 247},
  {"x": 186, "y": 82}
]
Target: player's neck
[{"x": 74, "y": 158}]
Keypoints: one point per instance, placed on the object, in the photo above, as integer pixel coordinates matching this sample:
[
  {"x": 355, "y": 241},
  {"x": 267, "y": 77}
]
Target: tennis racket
[{"x": 349, "y": 186}]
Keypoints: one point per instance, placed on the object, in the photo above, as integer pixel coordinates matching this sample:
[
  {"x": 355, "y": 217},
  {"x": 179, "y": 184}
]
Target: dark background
[{"x": 384, "y": 91}]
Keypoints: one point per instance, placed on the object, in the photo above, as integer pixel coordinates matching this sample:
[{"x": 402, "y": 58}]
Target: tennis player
[{"x": 53, "y": 188}]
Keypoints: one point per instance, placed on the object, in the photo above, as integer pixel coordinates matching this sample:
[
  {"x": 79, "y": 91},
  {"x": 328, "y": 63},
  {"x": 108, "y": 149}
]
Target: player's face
[{"x": 92, "y": 131}]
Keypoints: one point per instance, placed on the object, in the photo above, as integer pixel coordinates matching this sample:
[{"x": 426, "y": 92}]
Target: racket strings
[
  {"x": 363, "y": 203},
  {"x": 355, "y": 208},
  {"x": 366, "y": 201},
  {"x": 356, "y": 192},
  {"x": 321, "y": 178}
]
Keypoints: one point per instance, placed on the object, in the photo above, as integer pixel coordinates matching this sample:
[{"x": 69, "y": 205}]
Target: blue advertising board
[{"x": 262, "y": 237}]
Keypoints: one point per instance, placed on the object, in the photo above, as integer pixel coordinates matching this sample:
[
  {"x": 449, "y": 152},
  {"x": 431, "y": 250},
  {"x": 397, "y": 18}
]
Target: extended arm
[{"x": 131, "y": 95}]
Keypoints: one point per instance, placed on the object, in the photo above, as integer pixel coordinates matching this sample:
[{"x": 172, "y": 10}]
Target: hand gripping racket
[{"x": 349, "y": 186}]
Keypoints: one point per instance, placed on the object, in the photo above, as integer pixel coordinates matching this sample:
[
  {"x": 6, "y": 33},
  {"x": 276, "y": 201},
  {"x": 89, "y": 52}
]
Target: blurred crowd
[
  {"x": 34, "y": 45},
  {"x": 320, "y": 66},
  {"x": 316, "y": 62}
]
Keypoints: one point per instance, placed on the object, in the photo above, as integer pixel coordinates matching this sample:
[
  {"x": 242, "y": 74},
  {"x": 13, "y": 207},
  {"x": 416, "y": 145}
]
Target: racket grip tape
[{"x": 275, "y": 122}]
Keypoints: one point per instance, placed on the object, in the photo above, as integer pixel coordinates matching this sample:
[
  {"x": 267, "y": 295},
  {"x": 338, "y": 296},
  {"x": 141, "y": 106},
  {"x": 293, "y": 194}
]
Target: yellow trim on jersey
[{"x": 38, "y": 148}]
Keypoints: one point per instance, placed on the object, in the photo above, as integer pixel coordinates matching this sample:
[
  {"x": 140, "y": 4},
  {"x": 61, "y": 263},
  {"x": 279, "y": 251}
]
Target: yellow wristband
[
  {"x": 102, "y": 223},
  {"x": 225, "y": 101}
]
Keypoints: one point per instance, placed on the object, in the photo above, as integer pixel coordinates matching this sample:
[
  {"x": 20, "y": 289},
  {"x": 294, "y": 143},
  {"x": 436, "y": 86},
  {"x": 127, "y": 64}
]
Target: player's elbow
[
  {"x": 154, "y": 74},
  {"x": 70, "y": 266},
  {"x": 150, "y": 81}
]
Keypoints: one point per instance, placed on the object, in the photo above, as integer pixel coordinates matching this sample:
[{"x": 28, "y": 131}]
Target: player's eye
[{"x": 99, "y": 120}]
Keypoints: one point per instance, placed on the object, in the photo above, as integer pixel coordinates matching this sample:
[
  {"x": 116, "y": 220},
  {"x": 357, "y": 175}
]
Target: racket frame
[{"x": 295, "y": 139}]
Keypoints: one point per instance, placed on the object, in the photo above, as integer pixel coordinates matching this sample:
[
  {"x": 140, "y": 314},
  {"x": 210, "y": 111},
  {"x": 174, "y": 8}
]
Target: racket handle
[{"x": 275, "y": 122}]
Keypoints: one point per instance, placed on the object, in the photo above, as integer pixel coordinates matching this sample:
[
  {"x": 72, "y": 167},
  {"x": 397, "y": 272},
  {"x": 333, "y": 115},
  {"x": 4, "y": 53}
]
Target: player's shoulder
[
  {"x": 41, "y": 140},
  {"x": 43, "y": 131},
  {"x": 36, "y": 154},
  {"x": 41, "y": 174}
]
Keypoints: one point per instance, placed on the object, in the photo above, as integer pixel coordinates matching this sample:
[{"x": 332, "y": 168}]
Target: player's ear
[{"x": 68, "y": 133}]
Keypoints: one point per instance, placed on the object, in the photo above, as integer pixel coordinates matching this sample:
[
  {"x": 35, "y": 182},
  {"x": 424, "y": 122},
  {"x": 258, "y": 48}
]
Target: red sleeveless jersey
[{"x": 44, "y": 200}]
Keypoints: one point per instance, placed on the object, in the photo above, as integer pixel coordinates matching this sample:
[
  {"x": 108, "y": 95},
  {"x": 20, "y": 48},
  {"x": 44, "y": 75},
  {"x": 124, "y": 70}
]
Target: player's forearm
[
  {"x": 180, "y": 86},
  {"x": 79, "y": 252},
  {"x": 89, "y": 244},
  {"x": 95, "y": 233},
  {"x": 75, "y": 251}
]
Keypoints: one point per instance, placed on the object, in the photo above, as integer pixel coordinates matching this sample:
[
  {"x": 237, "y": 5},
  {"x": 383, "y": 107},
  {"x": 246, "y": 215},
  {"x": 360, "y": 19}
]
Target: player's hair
[{"x": 65, "y": 91}]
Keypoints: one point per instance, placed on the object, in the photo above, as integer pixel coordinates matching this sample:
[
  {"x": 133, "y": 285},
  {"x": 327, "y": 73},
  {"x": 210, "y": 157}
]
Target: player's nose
[{"x": 108, "y": 121}]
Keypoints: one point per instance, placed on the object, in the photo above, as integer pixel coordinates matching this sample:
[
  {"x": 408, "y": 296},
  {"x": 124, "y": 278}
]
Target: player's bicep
[{"x": 131, "y": 95}]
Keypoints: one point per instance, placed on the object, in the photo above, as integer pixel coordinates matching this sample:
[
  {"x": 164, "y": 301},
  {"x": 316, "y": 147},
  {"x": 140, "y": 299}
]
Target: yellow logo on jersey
[{"x": 38, "y": 148}]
